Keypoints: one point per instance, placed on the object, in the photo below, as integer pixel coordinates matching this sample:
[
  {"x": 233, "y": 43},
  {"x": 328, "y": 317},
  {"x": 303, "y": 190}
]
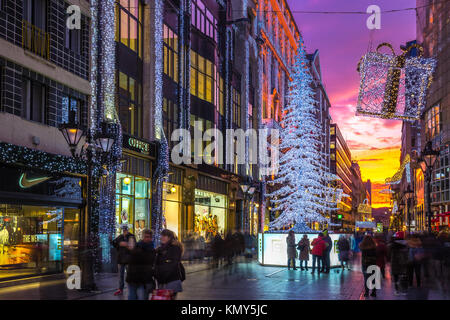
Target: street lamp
[
  {"x": 248, "y": 189},
  {"x": 427, "y": 161},
  {"x": 104, "y": 140},
  {"x": 72, "y": 132}
]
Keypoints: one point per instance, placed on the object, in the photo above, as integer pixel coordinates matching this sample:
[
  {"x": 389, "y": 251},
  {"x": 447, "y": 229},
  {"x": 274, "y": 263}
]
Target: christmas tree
[{"x": 303, "y": 187}]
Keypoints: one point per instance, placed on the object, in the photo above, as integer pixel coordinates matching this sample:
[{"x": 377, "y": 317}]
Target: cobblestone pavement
[{"x": 242, "y": 280}]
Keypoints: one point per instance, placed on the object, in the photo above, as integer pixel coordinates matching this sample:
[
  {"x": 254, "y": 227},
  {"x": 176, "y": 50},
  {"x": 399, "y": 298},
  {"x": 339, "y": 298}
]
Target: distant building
[{"x": 340, "y": 164}]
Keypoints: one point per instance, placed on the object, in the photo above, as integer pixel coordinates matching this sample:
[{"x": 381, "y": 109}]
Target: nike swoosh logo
[{"x": 26, "y": 183}]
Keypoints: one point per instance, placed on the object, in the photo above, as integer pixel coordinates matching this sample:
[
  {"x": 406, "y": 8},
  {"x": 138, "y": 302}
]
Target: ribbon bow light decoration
[{"x": 394, "y": 87}]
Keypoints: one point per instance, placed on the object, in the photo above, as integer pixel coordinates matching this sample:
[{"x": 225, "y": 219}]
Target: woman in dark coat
[
  {"x": 381, "y": 254},
  {"x": 344, "y": 251},
  {"x": 305, "y": 248},
  {"x": 169, "y": 270},
  {"x": 140, "y": 267},
  {"x": 291, "y": 249},
  {"x": 368, "y": 258}
]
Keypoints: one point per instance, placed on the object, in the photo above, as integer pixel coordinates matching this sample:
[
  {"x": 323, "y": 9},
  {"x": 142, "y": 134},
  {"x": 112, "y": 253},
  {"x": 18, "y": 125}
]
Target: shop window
[
  {"x": 132, "y": 203},
  {"x": 172, "y": 206},
  {"x": 210, "y": 214},
  {"x": 31, "y": 240}
]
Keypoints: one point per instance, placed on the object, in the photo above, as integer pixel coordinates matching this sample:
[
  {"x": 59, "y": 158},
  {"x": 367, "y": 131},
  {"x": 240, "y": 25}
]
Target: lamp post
[
  {"x": 409, "y": 194},
  {"x": 427, "y": 161},
  {"x": 103, "y": 141},
  {"x": 248, "y": 189}
]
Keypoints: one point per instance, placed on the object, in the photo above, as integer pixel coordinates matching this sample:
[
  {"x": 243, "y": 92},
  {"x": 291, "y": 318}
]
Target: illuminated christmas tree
[{"x": 303, "y": 191}]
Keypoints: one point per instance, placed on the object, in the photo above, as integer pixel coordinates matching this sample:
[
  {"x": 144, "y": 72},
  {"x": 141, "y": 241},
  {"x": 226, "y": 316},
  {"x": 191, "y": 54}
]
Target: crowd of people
[
  {"x": 148, "y": 268},
  {"x": 145, "y": 268},
  {"x": 218, "y": 249},
  {"x": 410, "y": 256}
]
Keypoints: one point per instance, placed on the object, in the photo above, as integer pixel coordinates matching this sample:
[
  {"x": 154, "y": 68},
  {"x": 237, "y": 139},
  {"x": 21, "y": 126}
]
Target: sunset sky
[{"x": 342, "y": 39}]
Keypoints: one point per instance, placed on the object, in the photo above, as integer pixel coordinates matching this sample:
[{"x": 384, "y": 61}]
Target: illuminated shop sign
[{"x": 136, "y": 145}]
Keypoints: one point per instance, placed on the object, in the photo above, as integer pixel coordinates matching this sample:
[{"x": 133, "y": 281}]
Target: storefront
[
  {"x": 39, "y": 222},
  {"x": 133, "y": 187},
  {"x": 172, "y": 201},
  {"x": 210, "y": 215}
]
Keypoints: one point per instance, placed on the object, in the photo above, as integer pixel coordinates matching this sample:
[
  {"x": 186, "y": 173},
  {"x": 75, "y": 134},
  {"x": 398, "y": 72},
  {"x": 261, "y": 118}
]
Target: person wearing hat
[{"x": 121, "y": 245}]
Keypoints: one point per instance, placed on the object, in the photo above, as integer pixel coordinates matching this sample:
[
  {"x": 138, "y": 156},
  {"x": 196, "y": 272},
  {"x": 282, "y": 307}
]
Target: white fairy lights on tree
[{"x": 303, "y": 186}]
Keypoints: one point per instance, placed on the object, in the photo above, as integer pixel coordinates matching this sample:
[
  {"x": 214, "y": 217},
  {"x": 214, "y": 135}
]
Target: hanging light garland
[{"x": 394, "y": 87}]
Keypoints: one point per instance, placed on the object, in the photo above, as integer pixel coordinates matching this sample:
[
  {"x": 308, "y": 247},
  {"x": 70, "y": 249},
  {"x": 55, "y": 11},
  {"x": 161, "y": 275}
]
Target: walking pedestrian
[
  {"x": 398, "y": 256},
  {"x": 304, "y": 248},
  {"x": 381, "y": 254},
  {"x": 291, "y": 249},
  {"x": 121, "y": 245},
  {"x": 326, "y": 252},
  {"x": 169, "y": 270},
  {"x": 416, "y": 255},
  {"x": 318, "y": 247},
  {"x": 368, "y": 258},
  {"x": 140, "y": 267},
  {"x": 344, "y": 251}
]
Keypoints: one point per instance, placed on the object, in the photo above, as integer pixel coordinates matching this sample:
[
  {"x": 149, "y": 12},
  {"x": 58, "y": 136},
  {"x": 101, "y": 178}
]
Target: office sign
[{"x": 135, "y": 144}]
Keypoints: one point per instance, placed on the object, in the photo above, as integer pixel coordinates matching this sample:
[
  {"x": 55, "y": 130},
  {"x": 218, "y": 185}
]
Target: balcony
[{"x": 35, "y": 40}]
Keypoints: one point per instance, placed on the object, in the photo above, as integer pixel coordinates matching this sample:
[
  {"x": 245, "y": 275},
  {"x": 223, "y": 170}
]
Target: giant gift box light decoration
[{"x": 394, "y": 87}]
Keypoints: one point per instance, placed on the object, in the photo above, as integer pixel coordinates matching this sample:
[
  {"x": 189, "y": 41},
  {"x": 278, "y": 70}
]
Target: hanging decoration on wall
[
  {"x": 364, "y": 207},
  {"x": 394, "y": 87}
]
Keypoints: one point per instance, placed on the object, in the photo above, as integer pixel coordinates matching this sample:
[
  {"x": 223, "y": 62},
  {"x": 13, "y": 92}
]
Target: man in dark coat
[
  {"x": 140, "y": 267},
  {"x": 398, "y": 256},
  {"x": 121, "y": 245},
  {"x": 327, "y": 251}
]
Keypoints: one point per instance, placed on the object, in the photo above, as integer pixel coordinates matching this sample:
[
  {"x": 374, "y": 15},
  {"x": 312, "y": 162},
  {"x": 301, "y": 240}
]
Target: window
[
  {"x": 170, "y": 53},
  {"x": 71, "y": 104},
  {"x": 236, "y": 108},
  {"x": 432, "y": 122},
  {"x": 130, "y": 104},
  {"x": 203, "y": 73},
  {"x": 332, "y": 131},
  {"x": 129, "y": 30},
  {"x": 34, "y": 97},
  {"x": 35, "y": 12},
  {"x": 170, "y": 119},
  {"x": 203, "y": 19}
]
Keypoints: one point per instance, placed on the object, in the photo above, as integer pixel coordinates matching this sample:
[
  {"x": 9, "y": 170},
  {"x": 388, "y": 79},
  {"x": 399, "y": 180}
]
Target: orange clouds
[{"x": 377, "y": 165}]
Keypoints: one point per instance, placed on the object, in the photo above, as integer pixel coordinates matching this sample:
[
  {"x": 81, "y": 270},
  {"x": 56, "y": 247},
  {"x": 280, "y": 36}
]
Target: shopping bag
[{"x": 162, "y": 294}]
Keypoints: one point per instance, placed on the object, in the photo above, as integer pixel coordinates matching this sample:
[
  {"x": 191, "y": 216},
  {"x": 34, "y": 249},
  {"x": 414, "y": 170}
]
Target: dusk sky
[{"x": 342, "y": 39}]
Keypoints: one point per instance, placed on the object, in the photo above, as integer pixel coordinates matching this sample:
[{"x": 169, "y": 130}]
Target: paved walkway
[{"x": 240, "y": 281}]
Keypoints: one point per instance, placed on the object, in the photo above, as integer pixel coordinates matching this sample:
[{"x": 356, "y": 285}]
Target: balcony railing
[{"x": 35, "y": 40}]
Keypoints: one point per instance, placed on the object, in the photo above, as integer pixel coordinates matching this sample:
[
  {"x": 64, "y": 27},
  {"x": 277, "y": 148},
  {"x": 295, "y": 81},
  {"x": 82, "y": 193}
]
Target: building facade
[
  {"x": 433, "y": 34},
  {"x": 44, "y": 69}
]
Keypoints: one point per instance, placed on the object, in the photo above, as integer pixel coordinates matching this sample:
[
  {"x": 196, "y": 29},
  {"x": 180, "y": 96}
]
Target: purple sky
[{"x": 342, "y": 40}]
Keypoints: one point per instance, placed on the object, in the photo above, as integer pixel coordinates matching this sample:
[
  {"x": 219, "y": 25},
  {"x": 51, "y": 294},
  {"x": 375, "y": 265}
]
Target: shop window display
[
  {"x": 172, "y": 206},
  {"x": 132, "y": 203},
  {"x": 31, "y": 240},
  {"x": 210, "y": 213}
]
